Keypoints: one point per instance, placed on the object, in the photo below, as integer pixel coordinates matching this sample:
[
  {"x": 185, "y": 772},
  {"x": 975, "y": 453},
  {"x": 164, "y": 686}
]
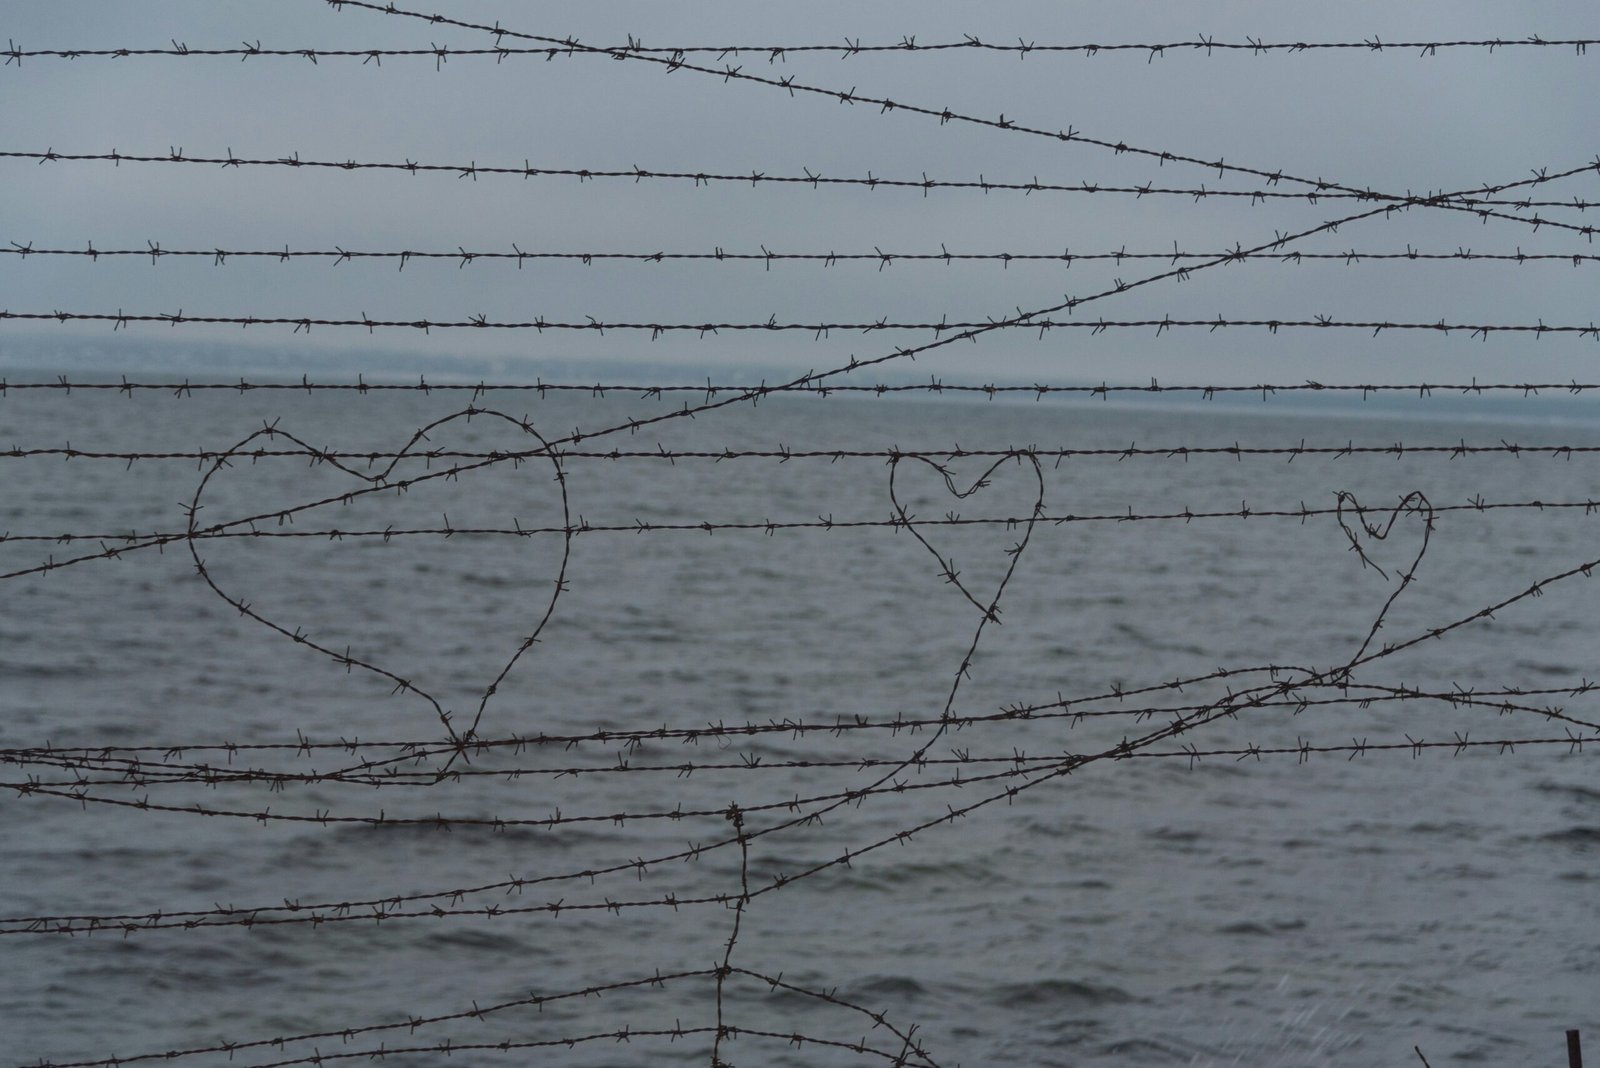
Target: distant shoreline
[{"x": 38, "y": 358}]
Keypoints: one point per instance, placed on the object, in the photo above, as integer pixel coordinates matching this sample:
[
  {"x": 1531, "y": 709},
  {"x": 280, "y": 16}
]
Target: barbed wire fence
[{"x": 753, "y": 789}]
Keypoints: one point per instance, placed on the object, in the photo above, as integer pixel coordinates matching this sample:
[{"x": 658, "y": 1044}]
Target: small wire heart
[{"x": 1413, "y": 503}]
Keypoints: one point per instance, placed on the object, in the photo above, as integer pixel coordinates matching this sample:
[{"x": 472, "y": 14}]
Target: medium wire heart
[{"x": 904, "y": 519}]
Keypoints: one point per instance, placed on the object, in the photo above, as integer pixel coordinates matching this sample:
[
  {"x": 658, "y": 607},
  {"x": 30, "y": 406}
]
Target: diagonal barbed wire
[
  {"x": 657, "y": 980},
  {"x": 945, "y": 116}
]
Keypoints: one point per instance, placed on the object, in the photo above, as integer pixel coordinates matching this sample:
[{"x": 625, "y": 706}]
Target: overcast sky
[{"x": 1391, "y": 120}]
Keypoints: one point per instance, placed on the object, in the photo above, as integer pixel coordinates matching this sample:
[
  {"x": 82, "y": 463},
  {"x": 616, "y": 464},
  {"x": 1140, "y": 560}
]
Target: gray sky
[{"x": 1393, "y": 121}]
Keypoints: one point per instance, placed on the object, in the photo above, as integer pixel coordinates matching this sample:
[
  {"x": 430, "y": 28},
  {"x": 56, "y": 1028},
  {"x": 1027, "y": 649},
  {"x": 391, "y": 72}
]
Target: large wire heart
[{"x": 390, "y": 479}]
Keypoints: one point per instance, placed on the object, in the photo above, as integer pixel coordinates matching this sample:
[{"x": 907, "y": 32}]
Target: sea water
[{"x": 1254, "y": 899}]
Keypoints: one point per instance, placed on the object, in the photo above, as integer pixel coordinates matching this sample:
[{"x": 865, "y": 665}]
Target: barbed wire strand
[
  {"x": 804, "y": 386},
  {"x": 964, "y": 329},
  {"x": 219, "y": 257},
  {"x": 419, "y": 750},
  {"x": 133, "y": 541},
  {"x": 785, "y": 454},
  {"x": 907, "y": 45},
  {"x": 1468, "y": 201},
  {"x": 141, "y": 774}
]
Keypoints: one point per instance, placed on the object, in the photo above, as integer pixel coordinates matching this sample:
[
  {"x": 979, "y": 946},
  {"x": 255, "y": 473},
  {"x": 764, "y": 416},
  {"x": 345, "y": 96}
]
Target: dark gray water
[{"x": 1292, "y": 907}]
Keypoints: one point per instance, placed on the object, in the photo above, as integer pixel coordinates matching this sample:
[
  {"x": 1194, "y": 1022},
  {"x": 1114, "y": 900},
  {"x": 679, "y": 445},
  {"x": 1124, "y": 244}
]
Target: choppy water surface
[{"x": 1292, "y": 907}]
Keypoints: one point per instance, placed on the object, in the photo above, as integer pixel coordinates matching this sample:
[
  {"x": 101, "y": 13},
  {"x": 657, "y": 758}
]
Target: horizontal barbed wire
[
  {"x": 810, "y": 378},
  {"x": 141, "y": 774},
  {"x": 813, "y": 378},
  {"x": 1065, "y": 760},
  {"x": 963, "y": 329},
  {"x": 1018, "y": 760},
  {"x": 462, "y": 257},
  {"x": 135, "y": 541},
  {"x": 393, "y": 907},
  {"x": 1253, "y": 697},
  {"x": 1459, "y": 201},
  {"x": 418, "y": 751},
  {"x": 850, "y": 48},
  {"x": 805, "y": 387},
  {"x": 783, "y": 453},
  {"x": 325, "y": 817}
]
